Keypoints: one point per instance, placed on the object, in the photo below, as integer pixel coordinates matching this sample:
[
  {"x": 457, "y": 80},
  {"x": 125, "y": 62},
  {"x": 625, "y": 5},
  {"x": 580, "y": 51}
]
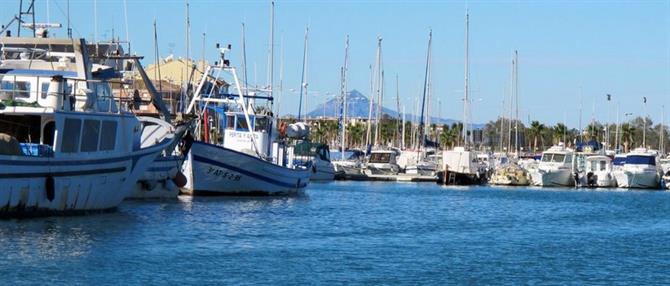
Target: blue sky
[{"x": 599, "y": 47}]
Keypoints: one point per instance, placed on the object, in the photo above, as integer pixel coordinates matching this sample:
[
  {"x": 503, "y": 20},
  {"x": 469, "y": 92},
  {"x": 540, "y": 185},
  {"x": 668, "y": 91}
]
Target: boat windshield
[
  {"x": 348, "y": 155},
  {"x": 554, "y": 158},
  {"x": 641, "y": 160},
  {"x": 380, "y": 158}
]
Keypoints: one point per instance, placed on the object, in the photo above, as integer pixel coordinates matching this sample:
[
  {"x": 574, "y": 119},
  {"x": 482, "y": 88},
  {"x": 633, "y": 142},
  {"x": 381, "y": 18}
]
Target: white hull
[
  {"x": 322, "y": 171},
  {"x": 637, "y": 180},
  {"x": 382, "y": 169},
  {"x": 599, "y": 180},
  {"x": 348, "y": 167},
  {"x": 78, "y": 185},
  {"x": 552, "y": 178},
  {"x": 211, "y": 169}
]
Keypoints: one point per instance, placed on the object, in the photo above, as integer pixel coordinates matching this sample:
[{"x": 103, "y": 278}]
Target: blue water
[{"x": 354, "y": 233}]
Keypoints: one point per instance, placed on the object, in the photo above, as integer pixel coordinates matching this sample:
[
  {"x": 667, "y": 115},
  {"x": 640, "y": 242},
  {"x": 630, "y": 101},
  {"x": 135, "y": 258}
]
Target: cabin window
[
  {"x": 568, "y": 159},
  {"x": 230, "y": 122},
  {"x": 242, "y": 123},
  {"x": 90, "y": 135},
  {"x": 45, "y": 90},
  {"x": 48, "y": 133},
  {"x": 71, "y": 135},
  {"x": 380, "y": 158},
  {"x": 22, "y": 89},
  {"x": 558, "y": 158},
  {"x": 108, "y": 135},
  {"x": 262, "y": 124}
]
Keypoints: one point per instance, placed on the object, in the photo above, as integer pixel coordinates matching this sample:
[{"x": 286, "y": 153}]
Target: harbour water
[{"x": 354, "y": 233}]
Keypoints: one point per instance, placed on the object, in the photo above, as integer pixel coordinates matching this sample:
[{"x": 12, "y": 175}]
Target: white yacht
[
  {"x": 426, "y": 167},
  {"x": 597, "y": 172},
  {"x": 382, "y": 162},
  {"x": 352, "y": 163},
  {"x": 237, "y": 149},
  {"x": 665, "y": 167},
  {"x": 316, "y": 155},
  {"x": 66, "y": 146},
  {"x": 555, "y": 168},
  {"x": 640, "y": 170}
]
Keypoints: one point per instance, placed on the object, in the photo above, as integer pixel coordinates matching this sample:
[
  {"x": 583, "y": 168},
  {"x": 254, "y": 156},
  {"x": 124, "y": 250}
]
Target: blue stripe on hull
[{"x": 248, "y": 173}]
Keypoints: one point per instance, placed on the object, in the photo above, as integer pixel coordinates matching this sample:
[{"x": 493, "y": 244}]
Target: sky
[{"x": 571, "y": 53}]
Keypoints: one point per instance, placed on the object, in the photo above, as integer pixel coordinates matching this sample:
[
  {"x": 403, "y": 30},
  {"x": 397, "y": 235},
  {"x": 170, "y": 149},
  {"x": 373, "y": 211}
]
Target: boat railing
[{"x": 15, "y": 90}]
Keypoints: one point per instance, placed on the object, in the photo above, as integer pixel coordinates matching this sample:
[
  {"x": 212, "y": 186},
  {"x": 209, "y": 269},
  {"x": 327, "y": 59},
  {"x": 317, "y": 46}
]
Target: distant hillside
[{"x": 358, "y": 106}]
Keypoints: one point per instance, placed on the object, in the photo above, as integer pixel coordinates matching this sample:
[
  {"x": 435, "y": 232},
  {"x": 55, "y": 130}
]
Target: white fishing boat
[
  {"x": 640, "y": 170},
  {"x": 597, "y": 172},
  {"x": 237, "y": 148},
  {"x": 66, "y": 146},
  {"x": 555, "y": 168},
  {"x": 318, "y": 156},
  {"x": 382, "y": 162}
]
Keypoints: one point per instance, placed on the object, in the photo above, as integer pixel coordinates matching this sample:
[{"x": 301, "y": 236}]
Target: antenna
[{"x": 69, "y": 27}]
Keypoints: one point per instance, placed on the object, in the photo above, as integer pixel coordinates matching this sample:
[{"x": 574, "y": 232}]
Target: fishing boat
[
  {"x": 317, "y": 155},
  {"x": 382, "y": 162},
  {"x": 67, "y": 147},
  {"x": 555, "y": 168},
  {"x": 461, "y": 167},
  {"x": 237, "y": 148},
  {"x": 640, "y": 170}
]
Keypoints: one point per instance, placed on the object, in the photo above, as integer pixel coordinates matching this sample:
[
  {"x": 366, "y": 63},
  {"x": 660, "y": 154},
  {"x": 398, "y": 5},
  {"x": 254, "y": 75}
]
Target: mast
[
  {"x": 188, "y": 43},
  {"x": 644, "y": 128},
  {"x": 397, "y": 101},
  {"x": 616, "y": 139},
  {"x": 425, "y": 91},
  {"x": 511, "y": 108},
  {"x": 303, "y": 83},
  {"x": 271, "y": 56},
  {"x": 516, "y": 102},
  {"x": 281, "y": 74},
  {"x": 402, "y": 140},
  {"x": 244, "y": 58},
  {"x": 466, "y": 99},
  {"x": 662, "y": 147},
  {"x": 371, "y": 101},
  {"x": 379, "y": 88},
  {"x": 343, "y": 94}
]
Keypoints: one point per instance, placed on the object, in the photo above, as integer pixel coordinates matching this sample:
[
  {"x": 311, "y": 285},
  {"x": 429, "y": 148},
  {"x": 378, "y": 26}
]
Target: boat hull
[
  {"x": 553, "y": 178},
  {"x": 158, "y": 182},
  {"x": 322, "y": 171},
  {"x": 460, "y": 179},
  {"x": 214, "y": 170},
  {"x": 34, "y": 186},
  {"x": 637, "y": 180},
  {"x": 381, "y": 169}
]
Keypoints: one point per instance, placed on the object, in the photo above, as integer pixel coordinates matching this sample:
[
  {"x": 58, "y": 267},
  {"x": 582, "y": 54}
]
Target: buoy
[
  {"x": 50, "y": 188},
  {"x": 180, "y": 179}
]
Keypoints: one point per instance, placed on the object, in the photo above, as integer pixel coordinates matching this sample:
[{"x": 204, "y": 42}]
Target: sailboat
[
  {"x": 238, "y": 149},
  {"x": 461, "y": 166}
]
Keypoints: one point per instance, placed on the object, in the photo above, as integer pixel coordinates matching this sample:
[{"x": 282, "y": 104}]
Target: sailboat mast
[
  {"x": 644, "y": 128},
  {"x": 397, "y": 102},
  {"x": 271, "y": 56},
  {"x": 511, "y": 108},
  {"x": 244, "y": 58},
  {"x": 371, "y": 101},
  {"x": 425, "y": 90},
  {"x": 516, "y": 101},
  {"x": 303, "y": 84},
  {"x": 466, "y": 99},
  {"x": 379, "y": 79},
  {"x": 343, "y": 91}
]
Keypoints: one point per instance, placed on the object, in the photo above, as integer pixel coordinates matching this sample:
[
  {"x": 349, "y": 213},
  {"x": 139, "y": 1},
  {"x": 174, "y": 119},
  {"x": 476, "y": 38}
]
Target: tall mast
[
  {"x": 244, "y": 58},
  {"x": 343, "y": 95},
  {"x": 616, "y": 139},
  {"x": 397, "y": 102},
  {"x": 371, "y": 101},
  {"x": 644, "y": 128},
  {"x": 425, "y": 91},
  {"x": 662, "y": 143},
  {"x": 466, "y": 99},
  {"x": 379, "y": 85},
  {"x": 188, "y": 42},
  {"x": 303, "y": 83},
  {"x": 516, "y": 101},
  {"x": 281, "y": 75},
  {"x": 271, "y": 56},
  {"x": 511, "y": 107}
]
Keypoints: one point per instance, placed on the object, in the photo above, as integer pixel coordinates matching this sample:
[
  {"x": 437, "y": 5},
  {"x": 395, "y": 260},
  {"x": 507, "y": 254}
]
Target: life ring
[{"x": 282, "y": 129}]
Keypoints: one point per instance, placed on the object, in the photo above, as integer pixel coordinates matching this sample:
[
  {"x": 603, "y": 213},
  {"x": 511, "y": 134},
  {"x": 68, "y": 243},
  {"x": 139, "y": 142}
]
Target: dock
[{"x": 391, "y": 178}]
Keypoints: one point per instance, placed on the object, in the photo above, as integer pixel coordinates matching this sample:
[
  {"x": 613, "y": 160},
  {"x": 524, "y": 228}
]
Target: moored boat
[{"x": 640, "y": 170}]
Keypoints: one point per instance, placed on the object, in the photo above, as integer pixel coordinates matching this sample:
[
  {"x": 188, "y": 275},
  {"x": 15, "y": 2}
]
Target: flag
[
  {"x": 645, "y": 99},
  {"x": 609, "y": 97}
]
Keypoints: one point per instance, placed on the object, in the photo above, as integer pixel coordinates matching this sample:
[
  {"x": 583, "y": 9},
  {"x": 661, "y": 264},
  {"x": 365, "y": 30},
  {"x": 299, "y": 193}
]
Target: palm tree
[
  {"x": 560, "y": 133},
  {"x": 628, "y": 135},
  {"x": 448, "y": 137},
  {"x": 536, "y": 130}
]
